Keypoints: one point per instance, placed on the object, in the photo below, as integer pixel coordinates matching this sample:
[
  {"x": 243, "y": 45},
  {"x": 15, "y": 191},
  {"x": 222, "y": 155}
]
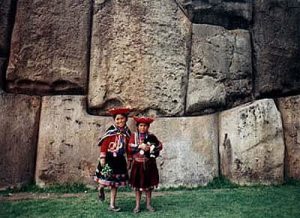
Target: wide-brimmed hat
[
  {"x": 119, "y": 110},
  {"x": 146, "y": 120}
]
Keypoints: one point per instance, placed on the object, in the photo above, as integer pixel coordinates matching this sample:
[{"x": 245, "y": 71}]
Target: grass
[{"x": 219, "y": 199}]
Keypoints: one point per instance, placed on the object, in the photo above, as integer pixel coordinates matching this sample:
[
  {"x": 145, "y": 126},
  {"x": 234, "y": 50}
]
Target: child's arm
[
  {"x": 129, "y": 149},
  {"x": 103, "y": 151}
]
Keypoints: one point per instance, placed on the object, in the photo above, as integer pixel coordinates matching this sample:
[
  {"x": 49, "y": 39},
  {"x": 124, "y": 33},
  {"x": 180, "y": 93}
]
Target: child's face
[
  {"x": 143, "y": 127},
  {"x": 120, "y": 120}
]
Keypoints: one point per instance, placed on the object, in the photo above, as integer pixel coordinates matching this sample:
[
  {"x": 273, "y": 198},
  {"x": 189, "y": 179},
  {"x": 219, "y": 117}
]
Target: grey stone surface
[
  {"x": 139, "y": 56},
  {"x": 251, "y": 143},
  {"x": 67, "y": 144},
  {"x": 231, "y": 14},
  {"x": 19, "y": 120},
  {"x": 276, "y": 41},
  {"x": 50, "y": 47},
  {"x": 221, "y": 69},
  {"x": 190, "y": 150},
  {"x": 290, "y": 112}
]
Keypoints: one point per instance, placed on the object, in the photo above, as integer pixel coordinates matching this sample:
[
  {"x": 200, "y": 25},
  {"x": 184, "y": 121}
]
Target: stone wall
[
  {"x": 290, "y": 109},
  {"x": 208, "y": 70},
  {"x": 49, "y": 47},
  {"x": 19, "y": 125}
]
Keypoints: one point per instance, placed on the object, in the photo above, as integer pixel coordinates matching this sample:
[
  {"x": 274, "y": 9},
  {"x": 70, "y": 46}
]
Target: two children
[{"x": 142, "y": 148}]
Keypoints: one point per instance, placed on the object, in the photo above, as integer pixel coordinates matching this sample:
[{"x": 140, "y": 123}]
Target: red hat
[
  {"x": 146, "y": 120},
  {"x": 119, "y": 110}
]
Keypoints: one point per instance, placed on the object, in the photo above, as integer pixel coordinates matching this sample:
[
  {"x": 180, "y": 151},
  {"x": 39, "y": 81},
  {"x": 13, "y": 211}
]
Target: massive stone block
[
  {"x": 67, "y": 145},
  {"x": 231, "y": 14},
  {"x": 290, "y": 112},
  {"x": 138, "y": 56},
  {"x": 19, "y": 119},
  {"x": 276, "y": 41},
  {"x": 190, "y": 150},
  {"x": 221, "y": 69},
  {"x": 251, "y": 143},
  {"x": 50, "y": 47},
  {"x": 67, "y": 150}
]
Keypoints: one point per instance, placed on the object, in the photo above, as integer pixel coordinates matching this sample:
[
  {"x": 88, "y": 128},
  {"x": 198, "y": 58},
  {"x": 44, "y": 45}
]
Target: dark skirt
[
  {"x": 144, "y": 175},
  {"x": 119, "y": 176}
]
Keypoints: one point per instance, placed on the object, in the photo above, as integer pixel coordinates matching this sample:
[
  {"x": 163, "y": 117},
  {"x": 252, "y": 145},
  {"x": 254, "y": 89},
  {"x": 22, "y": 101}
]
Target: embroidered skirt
[
  {"x": 144, "y": 175},
  {"x": 119, "y": 175}
]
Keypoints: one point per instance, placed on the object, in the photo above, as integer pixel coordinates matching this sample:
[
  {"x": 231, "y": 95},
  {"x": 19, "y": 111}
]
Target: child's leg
[
  {"x": 101, "y": 193},
  {"x": 148, "y": 201},
  {"x": 138, "y": 195},
  {"x": 113, "y": 195}
]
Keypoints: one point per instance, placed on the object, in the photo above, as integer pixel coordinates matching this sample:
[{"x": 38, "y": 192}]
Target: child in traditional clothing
[
  {"x": 112, "y": 168},
  {"x": 144, "y": 147}
]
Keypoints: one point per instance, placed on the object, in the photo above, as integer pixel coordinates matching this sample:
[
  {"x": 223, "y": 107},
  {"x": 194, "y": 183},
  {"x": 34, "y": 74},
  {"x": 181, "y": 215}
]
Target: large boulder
[
  {"x": 231, "y": 14},
  {"x": 276, "y": 42},
  {"x": 139, "y": 56},
  {"x": 190, "y": 150},
  {"x": 50, "y": 47},
  {"x": 221, "y": 69},
  {"x": 19, "y": 123},
  {"x": 251, "y": 143},
  {"x": 290, "y": 112},
  {"x": 67, "y": 145}
]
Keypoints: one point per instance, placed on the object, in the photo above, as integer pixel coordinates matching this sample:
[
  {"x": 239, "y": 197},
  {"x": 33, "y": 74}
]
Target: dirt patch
[{"x": 33, "y": 196}]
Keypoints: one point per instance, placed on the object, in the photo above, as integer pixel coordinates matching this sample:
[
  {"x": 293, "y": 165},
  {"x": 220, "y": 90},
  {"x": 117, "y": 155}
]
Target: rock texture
[
  {"x": 251, "y": 143},
  {"x": 49, "y": 47},
  {"x": 190, "y": 150},
  {"x": 19, "y": 118},
  {"x": 138, "y": 56},
  {"x": 231, "y": 14},
  {"x": 221, "y": 69},
  {"x": 7, "y": 8},
  {"x": 67, "y": 149},
  {"x": 276, "y": 40},
  {"x": 290, "y": 111}
]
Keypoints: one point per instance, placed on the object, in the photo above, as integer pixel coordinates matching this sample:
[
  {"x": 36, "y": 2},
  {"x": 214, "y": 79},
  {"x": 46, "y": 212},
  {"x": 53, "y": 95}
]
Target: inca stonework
[
  {"x": 251, "y": 143},
  {"x": 67, "y": 150},
  {"x": 49, "y": 47},
  {"x": 139, "y": 56},
  {"x": 19, "y": 124},
  {"x": 221, "y": 68},
  {"x": 276, "y": 43},
  {"x": 202, "y": 67},
  {"x": 290, "y": 111}
]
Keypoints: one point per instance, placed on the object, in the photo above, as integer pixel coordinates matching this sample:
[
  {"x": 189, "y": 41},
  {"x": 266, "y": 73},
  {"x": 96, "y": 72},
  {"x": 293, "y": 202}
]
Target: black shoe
[{"x": 101, "y": 195}]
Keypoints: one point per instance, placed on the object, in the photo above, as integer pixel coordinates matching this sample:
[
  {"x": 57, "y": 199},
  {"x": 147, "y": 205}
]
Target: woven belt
[{"x": 141, "y": 159}]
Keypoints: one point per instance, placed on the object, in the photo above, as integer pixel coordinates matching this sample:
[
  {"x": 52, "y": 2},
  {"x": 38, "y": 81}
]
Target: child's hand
[
  {"x": 144, "y": 147},
  {"x": 102, "y": 162}
]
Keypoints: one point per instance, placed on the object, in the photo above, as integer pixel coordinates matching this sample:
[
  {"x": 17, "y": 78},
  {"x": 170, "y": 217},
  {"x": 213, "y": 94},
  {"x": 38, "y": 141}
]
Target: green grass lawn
[{"x": 261, "y": 201}]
